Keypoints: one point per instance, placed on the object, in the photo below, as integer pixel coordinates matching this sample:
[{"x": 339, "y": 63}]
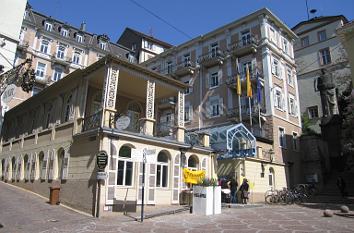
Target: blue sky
[{"x": 192, "y": 17}]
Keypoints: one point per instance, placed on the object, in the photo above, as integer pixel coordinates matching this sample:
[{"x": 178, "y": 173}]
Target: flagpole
[
  {"x": 239, "y": 108},
  {"x": 249, "y": 103}
]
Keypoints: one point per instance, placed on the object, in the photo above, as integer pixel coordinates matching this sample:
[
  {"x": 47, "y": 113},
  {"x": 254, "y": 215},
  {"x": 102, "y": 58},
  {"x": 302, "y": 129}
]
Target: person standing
[
  {"x": 341, "y": 185},
  {"x": 244, "y": 191},
  {"x": 233, "y": 188}
]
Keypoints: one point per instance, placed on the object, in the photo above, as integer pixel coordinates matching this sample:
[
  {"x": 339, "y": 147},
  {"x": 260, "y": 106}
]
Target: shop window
[
  {"x": 193, "y": 163},
  {"x": 125, "y": 167},
  {"x": 162, "y": 170}
]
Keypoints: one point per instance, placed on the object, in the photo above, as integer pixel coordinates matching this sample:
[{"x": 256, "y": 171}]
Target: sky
[{"x": 193, "y": 18}]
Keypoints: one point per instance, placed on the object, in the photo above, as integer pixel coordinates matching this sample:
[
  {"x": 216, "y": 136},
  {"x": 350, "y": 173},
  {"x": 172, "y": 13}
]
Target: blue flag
[{"x": 259, "y": 88}]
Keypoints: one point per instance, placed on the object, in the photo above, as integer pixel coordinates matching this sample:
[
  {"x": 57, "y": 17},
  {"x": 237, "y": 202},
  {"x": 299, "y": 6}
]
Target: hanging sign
[
  {"x": 122, "y": 122},
  {"x": 193, "y": 177},
  {"x": 102, "y": 160}
]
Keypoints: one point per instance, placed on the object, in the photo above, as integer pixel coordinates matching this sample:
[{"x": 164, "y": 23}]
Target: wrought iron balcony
[
  {"x": 185, "y": 68},
  {"x": 244, "y": 47},
  {"x": 93, "y": 121},
  {"x": 166, "y": 129},
  {"x": 245, "y": 112},
  {"x": 66, "y": 61},
  {"x": 214, "y": 57},
  {"x": 23, "y": 45},
  {"x": 231, "y": 80}
]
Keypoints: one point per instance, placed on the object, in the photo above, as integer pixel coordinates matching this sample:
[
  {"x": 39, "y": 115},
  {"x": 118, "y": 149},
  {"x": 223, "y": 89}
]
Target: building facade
[
  {"x": 144, "y": 46},
  {"x": 318, "y": 47},
  {"x": 54, "y": 137},
  {"x": 57, "y": 49},
  {"x": 263, "y": 44}
]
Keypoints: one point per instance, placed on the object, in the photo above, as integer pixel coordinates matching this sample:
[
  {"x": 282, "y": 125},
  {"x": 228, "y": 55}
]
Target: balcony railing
[
  {"x": 193, "y": 138},
  {"x": 166, "y": 129},
  {"x": 93, "y": 121},
  {"x": 66, "y": 61},
  {"x": 23, "y": 45},
  {"x": 212, "y": 58},
  {"x": 185, "y": 68},
  {"x": 245, "y": 111},
  {"x": 244, "y": 46},
  {"x": 231, "y": 80}
]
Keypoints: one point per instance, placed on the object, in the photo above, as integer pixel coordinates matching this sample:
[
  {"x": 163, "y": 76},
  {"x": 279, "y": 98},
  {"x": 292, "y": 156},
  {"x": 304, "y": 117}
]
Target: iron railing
[{"x": 93, "y": 121}]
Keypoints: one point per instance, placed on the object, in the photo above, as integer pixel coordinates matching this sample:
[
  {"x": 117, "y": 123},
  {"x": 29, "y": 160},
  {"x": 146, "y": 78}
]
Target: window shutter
[
  {"x": 221, "y": 106},
  {"x": 283, "y": 102},
  {"x": 65, "y": 168},
  {"x": 44, "y": 167},
  {"x": 140, "y": 183},
  {"x": 275, "y": 98},
  {"x": 151, "y": 183},
  {"x": 175, "y": 183},
  {"x": 112, "y": 172},
  {"x": 295, "y": 109},
  {"x": 273, "y": 66}
]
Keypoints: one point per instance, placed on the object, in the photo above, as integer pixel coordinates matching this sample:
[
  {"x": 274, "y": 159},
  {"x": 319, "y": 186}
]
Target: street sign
[
  {"x": 101, "y": 175},
  {"x": 150, "y": 154},
  {"x": 102, "y": 160}
]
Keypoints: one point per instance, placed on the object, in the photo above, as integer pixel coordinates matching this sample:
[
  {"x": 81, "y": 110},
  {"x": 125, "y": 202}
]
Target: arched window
[
  {"x": 61, "y": 154},
  {"x": 134, "y": 112},
  {"x": 193, "y": 162},
  {"x": 68, "y": 109},
  {"x": 40, "y": 164},
  {"x": 271, "y": 177},
  {"x": 125, "y": 167},
  {"x": 13, "y": 168},
  {"x": 162, "y": 170}
]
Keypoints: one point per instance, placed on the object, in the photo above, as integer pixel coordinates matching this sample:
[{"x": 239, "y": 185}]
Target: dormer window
[
  {"x": 48, "y": 26},
  {"x": 79, "y": 38},
  {"x": 102, "y": 45},
  {"x": 214, "y": 49},
  {"x": 64, "y": 32}
]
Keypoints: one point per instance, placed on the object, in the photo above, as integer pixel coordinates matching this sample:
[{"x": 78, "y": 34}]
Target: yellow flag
[
  {"x": 238, "y": 84},
  {"x": 248, "y": 82}
]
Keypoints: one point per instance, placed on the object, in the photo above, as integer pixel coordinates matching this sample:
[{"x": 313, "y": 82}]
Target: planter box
[{"x": 207, "y": 200}]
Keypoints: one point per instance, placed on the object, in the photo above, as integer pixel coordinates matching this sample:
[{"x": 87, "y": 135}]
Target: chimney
[{"x": 83, "y": 27}]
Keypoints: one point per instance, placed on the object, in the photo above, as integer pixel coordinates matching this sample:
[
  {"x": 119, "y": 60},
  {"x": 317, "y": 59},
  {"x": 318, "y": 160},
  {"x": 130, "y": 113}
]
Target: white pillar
[
  {"x": 150, "y": 108},
  {"x": 180, "y": 117}
]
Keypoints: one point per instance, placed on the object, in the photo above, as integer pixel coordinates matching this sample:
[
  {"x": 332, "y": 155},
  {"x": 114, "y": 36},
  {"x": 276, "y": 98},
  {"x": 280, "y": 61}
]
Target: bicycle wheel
[{"x": 270, "y": 199}]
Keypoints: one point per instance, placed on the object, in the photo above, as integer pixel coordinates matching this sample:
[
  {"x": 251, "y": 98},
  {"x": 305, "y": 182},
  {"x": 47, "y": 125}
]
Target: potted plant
[{"x": 207, "y": 197}]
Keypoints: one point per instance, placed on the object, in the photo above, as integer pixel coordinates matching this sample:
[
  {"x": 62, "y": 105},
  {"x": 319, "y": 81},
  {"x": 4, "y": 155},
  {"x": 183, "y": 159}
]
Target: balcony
[
  {"x": 167, "y": 103},
  {"x": 245, "y": 112},
  {"x": 185, "y": 68},
  {"x": 65, "y": 61},
  {"x": 166, "y": 129},
  {"x": 231, "y": 80},
  {"x": 23, "y": 45},
  {"x": 212, "y": 58},
  {"x": 93, "y": 121},
  {"x": 244, "y": 47}
]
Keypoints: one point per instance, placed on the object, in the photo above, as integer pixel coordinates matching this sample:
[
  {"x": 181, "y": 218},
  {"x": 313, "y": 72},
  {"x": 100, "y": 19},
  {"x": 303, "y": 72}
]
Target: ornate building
[{"x": 264, "y": 148}]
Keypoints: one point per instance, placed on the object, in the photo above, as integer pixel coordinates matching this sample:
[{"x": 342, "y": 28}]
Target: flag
[
  {"x": 238, "y": 81},
  {"x": 259, "y": 88},
  {"x": 248, "y": 82}
]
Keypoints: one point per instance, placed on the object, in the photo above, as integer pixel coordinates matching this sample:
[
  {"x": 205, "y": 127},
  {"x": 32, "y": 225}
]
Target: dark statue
[{"x": 327, "y": 90}]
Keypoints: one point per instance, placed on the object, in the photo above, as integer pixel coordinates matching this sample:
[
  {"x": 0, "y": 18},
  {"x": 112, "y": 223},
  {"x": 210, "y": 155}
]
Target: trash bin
[{"x": 54, "y": 194}]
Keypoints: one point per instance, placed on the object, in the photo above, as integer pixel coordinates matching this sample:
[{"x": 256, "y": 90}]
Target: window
[
  {"x": 68, "y": 109},
  {"x": 61, "y": 52},
  {"x": 44, "y": 46},
  {"x": 292, "y": 106},
  {"x": 272, "y": 34},
  {"x": 290, "y": 77},
  {"x": 64, "y": 32},
  {"x": 193, "y": 163},
  {"x": 246, "y": 38},
  {"x": 271, "y": 177},
  {"x": 187, "y": 59},
  {"x": 148, "y": 45},
  {"x": 282, "y": 139},
  {"x": 214, "y": 49},
  {"x": 48, "y": 26},
  {"x": 285, "y": 46},
  {"x": 58, "y": 72},
  {"x": 102, "y": 45},
  {"x": 214, "y": 79},
  {"x": 79, "y": 38},
  {"x": 295, "y": 141},
  {"x": 77, "y": 57},
  {"x": 215, "y": 108},
  {"x": 61, "y": 160},
  {"x": 313, "y": 112},
  {"x": 325, "y": 56},
  {"x": 244, "y": 68},
  {"x": 169, "y": 67},
  {"x": 49, "y": 111},
  {"x": 162, "y": 170},
  {"x": 275, "y": 67},
  {"x": 278, "y": 98},
  {"x": 187, "y": 90},
  {"x": 40, "y": 71},
  {"x": 321, "y": 35},
  {"x": 125, "y": 167},
  {"x": 187, "y": 113},
  {"x": 305, "y": 41}
]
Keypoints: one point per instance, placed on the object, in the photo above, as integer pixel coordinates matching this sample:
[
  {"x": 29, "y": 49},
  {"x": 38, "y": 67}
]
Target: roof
[
  {"x": 157, "y": 41},
  {"x": 321, "y": 19}
]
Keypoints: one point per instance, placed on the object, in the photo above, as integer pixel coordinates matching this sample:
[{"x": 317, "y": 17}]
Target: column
[
  {"x": 180, "y": 117},
  {"x": 110, "y": 95},
  {"x": 148, "y": 127}
]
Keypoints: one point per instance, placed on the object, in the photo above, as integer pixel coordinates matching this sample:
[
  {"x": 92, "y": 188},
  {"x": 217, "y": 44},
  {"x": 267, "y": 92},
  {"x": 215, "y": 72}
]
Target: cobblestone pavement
[{"x": 21, "y": 211}]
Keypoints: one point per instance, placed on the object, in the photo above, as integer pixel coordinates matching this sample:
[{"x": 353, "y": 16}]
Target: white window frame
[
  {"x": 61, "y": 53},
  {"x": 188, "y": 113},
  {"x": 323, "y": 54},
  {"x": 55, "y": 77},
  {"x": 278, "y": 99},
  {"x": 42, "y": 71},
  {"x": 187, "y": 59},
  {"x": 214, "y": 47},
  {"x": 321, "y": 35},
  {"x": 290, "y": 76},
  {"x": 276, "y": 67},
  {"x": 295, "y": 141},
  {"x": 246, "y": 37},
  {"x": 125, "y": 160},
  {"x": 214, "y": 80},
  {"x": 286, "y": 46},
  {"x": 215, "y": 108},
  {"x": 292, "y": 106},
  {"x": 282, "y": 137},
  {"x": 79, "y": 38},
  {"x": 64, "y": 32},
  {"x": 162, "y": 165},
  {"x": 44, "y": 47},
  {"x": 77, "y": 57},
  {"x": 309, "y": 110},
  {"x": 193, "y": 168},
  {"x": 48, "y": 26},
  {"x": 102, "y": 44},
  {"x": 272, "y": 35}
]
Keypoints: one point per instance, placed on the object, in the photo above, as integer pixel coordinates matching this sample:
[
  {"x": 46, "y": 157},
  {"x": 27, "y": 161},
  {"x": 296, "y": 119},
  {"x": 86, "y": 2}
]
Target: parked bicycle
[{"x": 290, "y": 196}]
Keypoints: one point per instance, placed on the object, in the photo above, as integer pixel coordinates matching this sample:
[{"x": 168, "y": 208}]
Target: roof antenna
[
  {"x": 307, "y": 10},
  {"x": 313, "y": 11},
  {"x": 150, "y": 33}
]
